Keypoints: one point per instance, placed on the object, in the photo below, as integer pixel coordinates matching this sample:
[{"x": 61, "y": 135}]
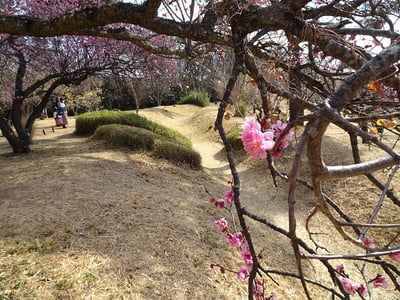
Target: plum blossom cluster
[
  {"x": 357, "y": 288},
  {"x": 238, "y": 240},
  {"x": 260, "y": 139},
  {"x": 225, "y": 202},
  {"x": 258, "y": 291},
  {"x": 368, "y": 242}
]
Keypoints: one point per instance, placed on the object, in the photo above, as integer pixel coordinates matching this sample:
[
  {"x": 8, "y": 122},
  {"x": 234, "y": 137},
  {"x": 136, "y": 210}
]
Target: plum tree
[
  {"x": 338, "y": 60},
  {"x": 33, "y": 68}
]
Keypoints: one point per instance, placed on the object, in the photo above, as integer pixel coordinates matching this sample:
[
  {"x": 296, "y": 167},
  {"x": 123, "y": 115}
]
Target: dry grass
[{"x": 81, "y": 221}]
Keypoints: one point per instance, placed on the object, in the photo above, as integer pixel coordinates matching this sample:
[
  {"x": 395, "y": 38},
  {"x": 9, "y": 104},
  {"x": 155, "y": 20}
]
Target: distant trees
[{"x": 35, "y": 67}]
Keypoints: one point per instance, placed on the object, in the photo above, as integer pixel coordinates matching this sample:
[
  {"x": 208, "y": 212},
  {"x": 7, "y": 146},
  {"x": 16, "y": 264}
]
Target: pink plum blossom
[
  {"x": 228, "y": 197},
  {"x": 380, "y": 282},
  {"x": 249, "y": 127},
  {"x": 246, "y": 255},
  {"x": 256, "y": 143},
  {"x": 242, "y": 274},
  {"x": 368, "y": 242},
  {"x": 340, "y": 269},
  {"x": 220, "y": 203},
  {"x": 235, "y": 239},
  {"x": 282, "y": 145},
  {"x": 259, "y": 145},
  {"x": 395, "y": 256},
  {"x": 278, "y": 127},
  {"x": 362, "y": 290},
  {"x": 258, "y": 290},
  {"x": 349, "y": 287},
  {"x": 259, "y": 139},
  {"x": 222, "y": 224}
]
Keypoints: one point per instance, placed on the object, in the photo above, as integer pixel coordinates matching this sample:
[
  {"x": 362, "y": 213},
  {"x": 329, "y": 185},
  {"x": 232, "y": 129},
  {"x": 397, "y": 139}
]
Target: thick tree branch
[
  {"x": 370, "y": 32},
  {"x": 360, "y": 168},
  {"x": 124, "y": 34},
  {"x": 375, "y": 69},
  {"x": 75, "y": 23}
]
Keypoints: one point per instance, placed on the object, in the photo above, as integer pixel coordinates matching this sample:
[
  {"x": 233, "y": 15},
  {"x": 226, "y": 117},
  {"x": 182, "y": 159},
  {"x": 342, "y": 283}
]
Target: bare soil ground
[{"x": 82, "y": 221}]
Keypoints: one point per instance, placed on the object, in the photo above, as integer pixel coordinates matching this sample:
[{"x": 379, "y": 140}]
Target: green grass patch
[
  {"x": 89, "y": 278},
  {"x": 19, "y": 284},
  {"x": 161, "y": 146},
  {"x": 88, "y": 123},
  {"x": 20, "y": 246},
  {"x": 234, "y": 138},
  {"x": 196, "y": 98},
  {"x": 241, "y": 108},
  {"x": 136, "y": 120},
  {"x": 118, "y": 136},
  {"x": 27, "y": 246},
  {"x": 177, "y": 153},
  {"x": 64, "y": 284},
  {"x": 129, "y": 130},
  {"x": 3, "y": 276}
]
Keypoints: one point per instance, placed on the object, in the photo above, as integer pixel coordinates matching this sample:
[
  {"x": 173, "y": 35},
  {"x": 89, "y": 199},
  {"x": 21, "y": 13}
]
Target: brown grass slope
[{"x": 81, "y": 221}]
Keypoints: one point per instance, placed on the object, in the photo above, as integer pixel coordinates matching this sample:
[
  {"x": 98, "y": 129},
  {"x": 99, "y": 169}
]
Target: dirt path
[{"x": 197, "y": 124}]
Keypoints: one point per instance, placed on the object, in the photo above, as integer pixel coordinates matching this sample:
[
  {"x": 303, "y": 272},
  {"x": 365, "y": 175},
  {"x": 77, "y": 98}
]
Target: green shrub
[
  {"x": 177, "y": 153},
  {"x": 126, "y": 129},
  {"x": 126, "y": 136},
  {"x": 133, "y": 119},
  {"x": 168, "y": 133},
  {"x": 196, "y": 98},
  {"x": 234, "y": 138},
  {"x": 241, "y": 108},
  {"x": 117, "y": 135},
  {"x": 88, "y": 122}
]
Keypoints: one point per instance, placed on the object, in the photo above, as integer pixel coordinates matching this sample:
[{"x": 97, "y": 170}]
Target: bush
[
  {"x": 135, "y": 138},
  {"x": 87, "y": 124},
  {"x": 241, "y": 108},
  {"x": 177, "y": 153},
  {"x": 117, "y": 135},
  {"x": 126, "y": 129},
  {"x": 196, "y": 98},
  {"x": 170, "y": 134},
  {"x": 234, "y": 138}
]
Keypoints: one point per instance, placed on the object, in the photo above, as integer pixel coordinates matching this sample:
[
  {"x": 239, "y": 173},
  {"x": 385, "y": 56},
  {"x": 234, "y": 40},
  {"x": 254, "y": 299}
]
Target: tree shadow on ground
[
  {"x": 151, "y": 219},
  {"x": 148, "y": 222}
]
